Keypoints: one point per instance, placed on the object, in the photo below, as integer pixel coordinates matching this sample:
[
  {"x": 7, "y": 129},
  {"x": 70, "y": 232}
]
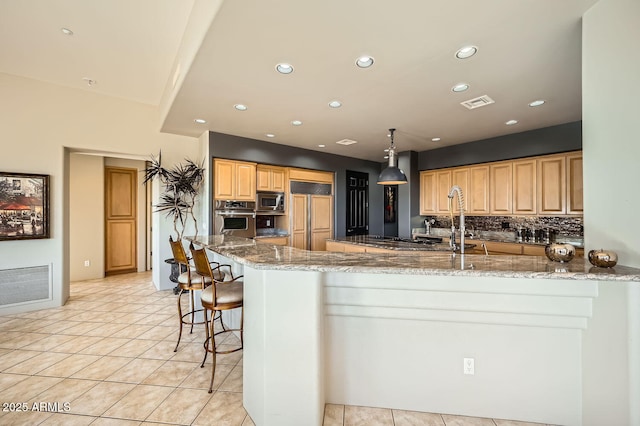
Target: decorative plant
[{"x": 182, "y": 186}]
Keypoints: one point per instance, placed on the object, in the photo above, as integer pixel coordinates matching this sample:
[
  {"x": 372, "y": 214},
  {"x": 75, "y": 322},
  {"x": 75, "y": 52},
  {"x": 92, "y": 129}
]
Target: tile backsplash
[{"x": 569, "y": 226}]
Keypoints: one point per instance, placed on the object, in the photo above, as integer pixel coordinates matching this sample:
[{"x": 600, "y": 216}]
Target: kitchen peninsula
[{"x": 392, "y": 330}]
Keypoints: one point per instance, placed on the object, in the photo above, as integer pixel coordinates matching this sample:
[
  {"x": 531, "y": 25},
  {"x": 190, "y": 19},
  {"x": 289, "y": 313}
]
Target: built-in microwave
[{"x": 270, "y": 203}]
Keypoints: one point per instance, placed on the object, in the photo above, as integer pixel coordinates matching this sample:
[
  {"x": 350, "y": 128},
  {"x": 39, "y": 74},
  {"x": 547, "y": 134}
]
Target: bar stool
[
  {"x": 218, "y": 297},
  {"x": 190, "y": 281}
]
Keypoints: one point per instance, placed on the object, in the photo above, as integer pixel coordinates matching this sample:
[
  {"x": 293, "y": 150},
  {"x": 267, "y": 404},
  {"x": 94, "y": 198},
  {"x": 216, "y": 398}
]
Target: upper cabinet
[
  {"x": 552, "y": 186},
  {"x": 460, "y": 177},
  {"x": 548, "y": 185},
  {"x": 428, "y": 193},
  {"x": 434, "y": 191},
  {"x": 478, "y": 194},
  {"x": 234, "y": 180},
  {"x": 574, "y": 183},
  {"x": 270, "y": 178},
  {"x": 500, "y": 188},
  {"x": 524, "y": 187}
]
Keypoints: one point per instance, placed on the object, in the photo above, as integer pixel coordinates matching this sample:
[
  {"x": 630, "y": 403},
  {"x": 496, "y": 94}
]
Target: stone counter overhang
[
  {"x": 391, "y": 330},
  {"x": 412, "y": 262}
]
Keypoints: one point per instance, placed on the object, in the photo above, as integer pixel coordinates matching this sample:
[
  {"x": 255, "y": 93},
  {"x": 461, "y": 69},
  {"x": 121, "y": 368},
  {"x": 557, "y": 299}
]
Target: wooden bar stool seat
[
  {"x": 190, "y": 281},
  {"x": 218, "y": 297}
]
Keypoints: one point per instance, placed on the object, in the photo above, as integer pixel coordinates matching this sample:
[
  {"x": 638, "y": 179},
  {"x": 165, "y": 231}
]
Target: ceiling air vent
[
  {"x": 477, "y": 102},
  {"x": 346, "y": 142}
]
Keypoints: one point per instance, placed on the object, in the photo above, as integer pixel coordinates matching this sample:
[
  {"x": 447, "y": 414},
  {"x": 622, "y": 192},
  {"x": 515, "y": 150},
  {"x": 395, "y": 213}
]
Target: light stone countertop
[{"x": 266, "y": 256}]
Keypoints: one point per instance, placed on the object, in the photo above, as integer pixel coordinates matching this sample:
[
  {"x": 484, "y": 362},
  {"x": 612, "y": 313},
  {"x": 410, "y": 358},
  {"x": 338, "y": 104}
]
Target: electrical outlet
[
  {"x": 87, "y": 263},
  {"x": 469, "y": 366}
]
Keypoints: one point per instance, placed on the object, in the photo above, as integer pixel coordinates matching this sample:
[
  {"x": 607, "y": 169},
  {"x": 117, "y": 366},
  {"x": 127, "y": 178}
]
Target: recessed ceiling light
[
  {"x": 364, "y": 61},
  {"x": 346, "y": 142},
  {"x": 537, "y": 103},
  {"x": 284, "y": 68},
  {"x": 466, "y": 52},
  {"x": 240, "y": 107},
  {"x": 321, "y": 146},
  {"x": 296, "y": 123},
  {"x": 460, "y": 87},
  {"x": 66, "y": 31},
  {"x": 511, "y": 122},
  {"x": 435, "y": 139},
  {"x": 335, "y": 104},
  {"x": 270, "y": 135},
  {"x": 200, "y": 121}
]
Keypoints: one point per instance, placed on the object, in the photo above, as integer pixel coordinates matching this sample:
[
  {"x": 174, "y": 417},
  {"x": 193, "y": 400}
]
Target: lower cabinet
[{"x": 278, "y": 241}]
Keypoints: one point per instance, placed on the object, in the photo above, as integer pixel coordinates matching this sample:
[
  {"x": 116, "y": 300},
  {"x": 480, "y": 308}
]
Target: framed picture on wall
[
  {"x": 390, "y": 203},
  {"x": 24, "y": 206}
]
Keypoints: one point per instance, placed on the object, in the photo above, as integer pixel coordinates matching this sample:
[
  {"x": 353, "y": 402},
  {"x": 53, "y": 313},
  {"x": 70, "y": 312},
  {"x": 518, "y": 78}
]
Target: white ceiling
[{"x": 528, "y": 49}]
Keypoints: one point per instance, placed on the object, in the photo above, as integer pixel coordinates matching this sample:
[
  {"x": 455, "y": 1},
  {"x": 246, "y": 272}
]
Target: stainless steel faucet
[
  {"x": 452, "y": 242},
  {"x": 427, "y": 225}
]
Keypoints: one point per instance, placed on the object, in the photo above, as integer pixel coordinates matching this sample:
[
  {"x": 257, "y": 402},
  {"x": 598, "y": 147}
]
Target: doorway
[{"x": 357, "y": 203}]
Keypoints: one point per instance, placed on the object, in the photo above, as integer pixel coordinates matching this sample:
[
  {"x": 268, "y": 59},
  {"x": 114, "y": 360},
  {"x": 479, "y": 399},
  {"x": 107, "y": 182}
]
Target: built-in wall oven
[{"x": 236, "y": 218}]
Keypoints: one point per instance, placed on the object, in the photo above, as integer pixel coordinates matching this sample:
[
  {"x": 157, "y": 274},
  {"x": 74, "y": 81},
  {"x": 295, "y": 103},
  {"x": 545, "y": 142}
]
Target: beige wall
[
  {"x": 86, "y": 212},
  {"x": 41, "y": 124}
]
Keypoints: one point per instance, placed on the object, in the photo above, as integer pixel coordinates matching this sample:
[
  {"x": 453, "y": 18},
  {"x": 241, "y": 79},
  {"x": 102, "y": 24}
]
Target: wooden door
[
  {"x": 121, "y": 192},
  {"x": 245, "y": 182},
  {"x": 321, "y": 221},
  {"x": 478, "y": 198},
  {"x": 575, "y": 204},
  {"x": 224, "y": 179},
  {"x": 299, "y": 215},
  {"x": 428, "y": 193},
  {"x": 552, "y": 185},
  {"x": 357, "y": 203},
  {"x": 524, "y": 187},
  {"x": 443, "y": 183},
  {"x": 460, "y": 177},
  {"x": 500, "y": 192}
]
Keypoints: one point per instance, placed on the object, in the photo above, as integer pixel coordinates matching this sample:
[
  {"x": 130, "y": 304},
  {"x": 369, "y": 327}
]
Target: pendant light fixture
[{"x": 392, "y": 175}]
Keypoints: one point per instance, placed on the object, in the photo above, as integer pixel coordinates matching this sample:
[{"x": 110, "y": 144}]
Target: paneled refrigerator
[{"x": 311, "y": 216}]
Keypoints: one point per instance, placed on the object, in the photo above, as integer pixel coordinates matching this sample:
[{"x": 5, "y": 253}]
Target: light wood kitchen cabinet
[
  {"x": 496, "y": 247},
  {"x": 299, "y": 214},
  {"x": 460, "y": 177},
  {"x": 428, "y": 193},
  {"x": 532, "y": 250},
  {"x": 334, "y": 246},
  {"x": 524, "y": 187},
  {"x": 278, "y": 241},
  {"x": 234, "y": 180},
  {"x": 575, "y": 203},
  {"x": 270, "y": 178},
  {"x": 321, "y": 220},
  {"x": 443, "y": 185},
  {"x": 500, "y": 191},
  {"x": 478, "y": 194},
  {"x": 306, "y": 175},
  {"x": 552, "y": 185},
  {"x": 548, "y": 185}
]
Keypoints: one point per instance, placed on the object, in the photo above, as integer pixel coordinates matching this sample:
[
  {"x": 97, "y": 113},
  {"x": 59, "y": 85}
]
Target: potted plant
[{"x": 181, "y": 188}]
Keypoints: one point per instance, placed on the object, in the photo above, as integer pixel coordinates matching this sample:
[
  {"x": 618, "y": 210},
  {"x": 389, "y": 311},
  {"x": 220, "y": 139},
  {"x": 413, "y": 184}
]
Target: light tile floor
[{"x": 106, "y": 358}]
